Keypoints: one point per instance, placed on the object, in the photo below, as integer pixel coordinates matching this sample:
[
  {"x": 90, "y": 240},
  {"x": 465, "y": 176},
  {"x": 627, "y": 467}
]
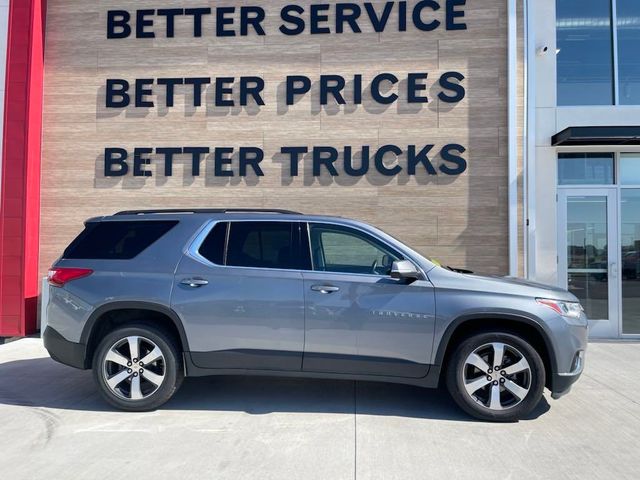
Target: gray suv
[{"x": 145, "y": 298}]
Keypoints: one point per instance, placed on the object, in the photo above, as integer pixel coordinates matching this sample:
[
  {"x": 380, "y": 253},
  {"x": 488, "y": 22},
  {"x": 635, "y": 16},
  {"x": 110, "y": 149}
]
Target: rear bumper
[{"x": 64, "y": 351}]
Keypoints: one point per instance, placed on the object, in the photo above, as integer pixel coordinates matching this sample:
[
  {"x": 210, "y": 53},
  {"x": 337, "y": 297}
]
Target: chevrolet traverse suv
[{"x": 145, "y": 298}]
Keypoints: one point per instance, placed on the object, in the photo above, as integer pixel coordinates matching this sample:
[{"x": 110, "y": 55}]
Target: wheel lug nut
[
  {"x": 489, "y": 377},
  {"x": 129, "y": 370},
  {"x": 490, "y": 370},
  {"x": 495, "y": 383},
  {"x": 502, "y": 380},
  {"x": 503, "y": 373},
  {"x": 135, "y": 360},
  {"x": 141, "y": 364},
  {"x": 497, "y": 367},
  {"x": 128, "y": 364},
  {"x": 135, "y": 374},
  {"x": 141, "y": 370}
]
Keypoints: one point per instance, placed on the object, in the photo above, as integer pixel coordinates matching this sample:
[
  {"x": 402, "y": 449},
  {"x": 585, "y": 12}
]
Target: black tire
[
  {"x": 534, "y": 379},
  {"x": 170, "y": 365}
]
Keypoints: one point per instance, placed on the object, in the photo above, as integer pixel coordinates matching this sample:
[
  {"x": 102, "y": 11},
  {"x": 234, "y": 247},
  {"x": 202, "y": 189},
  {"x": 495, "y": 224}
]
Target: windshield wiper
[{"x": 458, "y": 270}]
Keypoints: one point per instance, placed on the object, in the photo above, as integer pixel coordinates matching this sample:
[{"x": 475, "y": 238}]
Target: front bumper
[
  {"x": 64, "y": 351},
  {"x": 561, "y": 382}
]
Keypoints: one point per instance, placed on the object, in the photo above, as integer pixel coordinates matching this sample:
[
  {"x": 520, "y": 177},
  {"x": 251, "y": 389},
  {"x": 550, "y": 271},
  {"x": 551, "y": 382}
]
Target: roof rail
[{"x": 208, "y": 210}]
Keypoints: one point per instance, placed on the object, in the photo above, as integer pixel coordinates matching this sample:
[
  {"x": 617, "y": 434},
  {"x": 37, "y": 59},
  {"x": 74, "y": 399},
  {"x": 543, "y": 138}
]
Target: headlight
[{"x": 569, "y": 310}]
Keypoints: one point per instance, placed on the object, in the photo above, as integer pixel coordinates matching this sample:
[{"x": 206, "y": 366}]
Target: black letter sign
[
  {"x": 117, "y": 88},
  {"x": 454, "y": 87},
  {"x": 118, "y": 24},
  {"x": 113, "y": 157}
]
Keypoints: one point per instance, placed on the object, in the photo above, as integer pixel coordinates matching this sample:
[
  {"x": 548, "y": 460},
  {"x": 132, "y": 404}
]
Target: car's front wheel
[
  {"x": 137, "y": 368},
  {"x": 496, "y": 376}
]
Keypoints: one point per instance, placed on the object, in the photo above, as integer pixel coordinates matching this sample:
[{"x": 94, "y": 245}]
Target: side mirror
[{"x": 404, "y": 269}]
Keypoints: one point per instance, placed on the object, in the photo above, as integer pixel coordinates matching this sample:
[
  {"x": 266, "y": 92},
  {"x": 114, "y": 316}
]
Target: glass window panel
[
  {"x": 585, "y": 56},
  {"x": 587, "y": 232},
  {"x": 592, "y": 289},
  {"x": 117, "y": 240},
  {"x": 630, "y": 169},
  {"x": 262, "y": 245},
  {"x": 343, "y": 250},
  {"x": 213, "y": 246},
  {"x": 628, "y": 26},
  {"x": 630, "y": 241},
  {"x": 585, "y": 168},
  {"x": 587, "y": 254}
]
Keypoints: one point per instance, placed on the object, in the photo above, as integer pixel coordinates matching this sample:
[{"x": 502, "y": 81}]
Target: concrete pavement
[{"x": 53, "y": 425}]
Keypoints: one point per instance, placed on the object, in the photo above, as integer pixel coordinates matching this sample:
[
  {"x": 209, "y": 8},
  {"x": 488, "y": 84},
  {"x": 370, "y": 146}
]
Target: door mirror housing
[{"x": 404, "y": 270}]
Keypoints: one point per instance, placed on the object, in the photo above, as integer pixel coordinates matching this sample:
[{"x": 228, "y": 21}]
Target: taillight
[{"x": 59, "y": 276}]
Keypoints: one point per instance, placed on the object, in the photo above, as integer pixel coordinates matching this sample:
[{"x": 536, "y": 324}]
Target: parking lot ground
[{"x": 53, "y": 425}]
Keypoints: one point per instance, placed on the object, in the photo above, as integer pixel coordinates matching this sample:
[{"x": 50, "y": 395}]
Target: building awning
[{"x": 596, "y": 136}]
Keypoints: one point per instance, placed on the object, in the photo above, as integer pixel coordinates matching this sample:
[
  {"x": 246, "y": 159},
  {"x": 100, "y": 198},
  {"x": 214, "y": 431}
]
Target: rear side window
[
  {"x": 263, "y": 245},
  {"x": 213, "y": 246},
  {"x": 120, "y": 240}
]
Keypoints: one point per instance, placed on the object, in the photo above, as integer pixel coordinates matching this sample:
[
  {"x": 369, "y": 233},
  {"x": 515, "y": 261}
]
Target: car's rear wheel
[
  {"x": 137, "y": 368},
  {"x": 496, "y": 376}
]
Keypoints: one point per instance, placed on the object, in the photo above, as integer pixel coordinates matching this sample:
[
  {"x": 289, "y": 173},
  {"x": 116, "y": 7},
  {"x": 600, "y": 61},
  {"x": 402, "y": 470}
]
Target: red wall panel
[{"x": 20, "y": 191}]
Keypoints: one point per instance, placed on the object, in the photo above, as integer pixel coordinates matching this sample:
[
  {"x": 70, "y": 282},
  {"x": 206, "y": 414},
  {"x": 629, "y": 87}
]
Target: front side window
[
  {"x": 263, "y": 245},
  {"x": 344, "y": 250},
  {"x": 585, "y": 52}
]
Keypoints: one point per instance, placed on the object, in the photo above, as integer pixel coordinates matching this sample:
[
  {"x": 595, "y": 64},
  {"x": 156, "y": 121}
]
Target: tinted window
[
  {"x": 585, "y": 52},
  {"x": 116, "y": 240},
  {"x": 344, "y": 250},
  {"x": 213, "y": 246},
  {"x": 585, "y": 168},
  {"x": 628, "y": 25},
  {"x": 263, "y": 245}
]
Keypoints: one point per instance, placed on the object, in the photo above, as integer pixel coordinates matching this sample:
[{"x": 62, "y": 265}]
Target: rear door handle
[
  {"x": 324, "y": 288},
  {"x": 194, "y": 282}
]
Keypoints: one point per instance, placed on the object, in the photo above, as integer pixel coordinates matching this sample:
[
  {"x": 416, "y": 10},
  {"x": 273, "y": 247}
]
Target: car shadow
[{"x": 41, "y": 382}]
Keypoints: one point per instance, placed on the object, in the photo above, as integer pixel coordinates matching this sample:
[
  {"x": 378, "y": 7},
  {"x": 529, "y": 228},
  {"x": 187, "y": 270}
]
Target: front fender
[{"x": 486, "y": 315}]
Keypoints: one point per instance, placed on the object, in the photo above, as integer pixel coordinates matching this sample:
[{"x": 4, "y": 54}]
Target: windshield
[
  {"x": 408, "y": 247},
  {"x": 431, "y": 260}
]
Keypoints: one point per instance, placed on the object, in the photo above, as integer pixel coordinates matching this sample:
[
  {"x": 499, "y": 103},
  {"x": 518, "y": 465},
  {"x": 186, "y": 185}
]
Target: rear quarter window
[
  {"x": 121, "y": 240},
  {"x": 213, "y": 246}
]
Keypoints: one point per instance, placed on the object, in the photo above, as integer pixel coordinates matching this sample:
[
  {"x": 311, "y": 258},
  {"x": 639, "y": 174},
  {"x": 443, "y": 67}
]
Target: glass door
[
  {"x": 630, "y": 259},
  {"x": 587, "y": 260}
]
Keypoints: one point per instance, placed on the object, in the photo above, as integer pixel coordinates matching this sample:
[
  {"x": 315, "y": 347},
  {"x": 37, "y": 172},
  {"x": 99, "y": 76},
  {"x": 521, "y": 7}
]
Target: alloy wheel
[
  {"x": 497, "y": 376},
  {"x": 134, "y": 368}
]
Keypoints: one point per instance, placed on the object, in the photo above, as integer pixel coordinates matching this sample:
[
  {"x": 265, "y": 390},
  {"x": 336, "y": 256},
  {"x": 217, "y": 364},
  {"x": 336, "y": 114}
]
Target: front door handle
[
  {"x": 194, "y": 282},
  {"x": 324, "y": 288}
]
